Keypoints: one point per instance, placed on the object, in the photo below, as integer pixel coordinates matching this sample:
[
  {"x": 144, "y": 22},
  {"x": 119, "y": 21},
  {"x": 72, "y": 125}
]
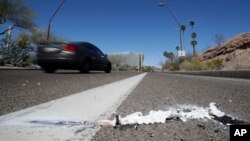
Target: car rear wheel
[
  {"x": 49, "y": 69},
  {"x": 85, "y": 67}
]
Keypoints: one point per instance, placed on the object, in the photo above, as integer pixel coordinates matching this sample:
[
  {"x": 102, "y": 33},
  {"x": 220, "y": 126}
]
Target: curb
[
  {"x": 17, "y": 68},
  {"x": 243, "y": 74}
]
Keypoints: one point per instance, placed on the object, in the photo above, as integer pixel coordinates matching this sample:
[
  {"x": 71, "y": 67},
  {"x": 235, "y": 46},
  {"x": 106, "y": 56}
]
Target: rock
[
  {"x": 234, "y": 52},
  {"x": 216, "y": 130},
  {"x": 151, "y": 135},
  {"x": 201, "y": 126}
]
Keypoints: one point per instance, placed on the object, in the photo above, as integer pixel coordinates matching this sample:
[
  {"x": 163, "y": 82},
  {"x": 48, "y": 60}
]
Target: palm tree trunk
[{"x": 193, "y": 50}]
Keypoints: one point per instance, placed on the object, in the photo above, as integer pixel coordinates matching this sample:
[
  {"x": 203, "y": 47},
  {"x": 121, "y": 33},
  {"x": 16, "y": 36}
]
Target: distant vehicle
[{"x": 82, "y": 56}]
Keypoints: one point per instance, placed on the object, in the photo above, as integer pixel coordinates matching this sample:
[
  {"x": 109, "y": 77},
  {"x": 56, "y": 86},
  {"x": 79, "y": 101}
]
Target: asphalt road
[
  {"x": 160, "y": 91},
  {"x": 20, "y": 89},
  {"x": 157, "y": 91}
]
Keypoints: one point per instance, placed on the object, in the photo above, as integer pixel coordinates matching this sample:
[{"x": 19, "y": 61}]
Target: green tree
[
  {"x": 165, "y": 54},
  {"x": 192, "y": 23},
  {"x": 169, "y": 55},
  {"x": 193, "y": 43},
  {"x": 194, "y": 35},
  {"x": 17, "y": 13},
  {"x": 182, "y": 30},
  {"x": 20, "y": 51},
  {"x": 177, "y": 49}
]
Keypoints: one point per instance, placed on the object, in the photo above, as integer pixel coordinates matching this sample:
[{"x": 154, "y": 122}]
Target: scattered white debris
[
  {"x": 183, "y": 112},
  {"x": 38, "y": 84},
  {"x": 230, "y": 101},
  {"x": 215, "y": 111}
]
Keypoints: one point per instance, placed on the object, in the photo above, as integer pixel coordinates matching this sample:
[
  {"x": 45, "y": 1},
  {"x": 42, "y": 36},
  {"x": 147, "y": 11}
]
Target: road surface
[
  {"x": 20, "y": 89},
  {"x": 156, "y": 91},
  {"x": 160, "y": 91}
]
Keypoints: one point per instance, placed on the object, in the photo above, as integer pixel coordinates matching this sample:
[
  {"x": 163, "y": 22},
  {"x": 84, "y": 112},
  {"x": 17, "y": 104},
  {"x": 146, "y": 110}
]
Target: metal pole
[
  {"x": 48, "y": 33},
  {"x": 175, "y": 19},
  {"x": 180, "y": 40}
]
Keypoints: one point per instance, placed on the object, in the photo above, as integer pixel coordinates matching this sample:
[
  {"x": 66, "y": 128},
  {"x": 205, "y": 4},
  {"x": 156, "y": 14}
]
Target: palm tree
[
  {"x": 193, "y": 43},
  {"x": 193, "y": 35},
  {"x": 192, "y": 24},
  {"x": 177, "y": 49},
  {"x": 182, "y": 29},
  {"x": 165, "y": 54},
  {"x": 171, "y": 56}
]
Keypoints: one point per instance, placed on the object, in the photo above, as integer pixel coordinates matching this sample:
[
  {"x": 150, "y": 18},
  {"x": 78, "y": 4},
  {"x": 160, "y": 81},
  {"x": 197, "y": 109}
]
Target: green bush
[
  {"x": 19, "y": 53},
  {"x": 214, "y": 64},
  {"x": 191, "y": 65}
]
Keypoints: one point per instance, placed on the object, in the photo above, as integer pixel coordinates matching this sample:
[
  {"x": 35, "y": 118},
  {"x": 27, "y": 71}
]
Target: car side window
[
  {"x": 99, "y": 52},
  {"x": 88, "y": 47}
]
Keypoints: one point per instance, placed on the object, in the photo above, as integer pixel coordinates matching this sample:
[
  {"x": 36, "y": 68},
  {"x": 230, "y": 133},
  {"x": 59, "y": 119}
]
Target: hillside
[{"x": 234, "y": 52}]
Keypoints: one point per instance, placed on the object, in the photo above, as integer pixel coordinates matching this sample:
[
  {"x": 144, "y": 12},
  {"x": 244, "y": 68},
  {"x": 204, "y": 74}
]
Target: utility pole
[{"x": 51, "y": 18}]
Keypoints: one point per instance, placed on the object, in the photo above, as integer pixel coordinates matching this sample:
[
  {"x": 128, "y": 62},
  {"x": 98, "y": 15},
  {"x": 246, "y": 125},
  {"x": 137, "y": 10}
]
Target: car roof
[{"x": 82, "y": 43}]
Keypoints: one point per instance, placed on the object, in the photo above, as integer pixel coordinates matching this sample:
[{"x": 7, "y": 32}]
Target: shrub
[
  {"x": 214, "y": 64},
  {"x": 191, "y": 65}
]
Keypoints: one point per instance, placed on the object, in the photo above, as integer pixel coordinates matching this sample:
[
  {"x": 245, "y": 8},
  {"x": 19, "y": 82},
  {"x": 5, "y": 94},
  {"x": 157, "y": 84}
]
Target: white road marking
[{"x": 94, "y": 104}]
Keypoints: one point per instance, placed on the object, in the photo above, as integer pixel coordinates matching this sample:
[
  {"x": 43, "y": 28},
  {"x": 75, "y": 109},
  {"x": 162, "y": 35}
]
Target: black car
[{"x": 81, "y": 56}]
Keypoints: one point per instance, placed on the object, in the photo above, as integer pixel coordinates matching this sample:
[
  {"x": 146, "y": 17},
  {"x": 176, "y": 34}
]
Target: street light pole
[
  {"x": 48, "y": 33},
  {"x": 177, "y": 22}
]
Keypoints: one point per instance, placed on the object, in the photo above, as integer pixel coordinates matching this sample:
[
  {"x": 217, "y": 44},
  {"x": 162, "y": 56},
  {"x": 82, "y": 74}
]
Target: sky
[{"x": 141, "y": 26}]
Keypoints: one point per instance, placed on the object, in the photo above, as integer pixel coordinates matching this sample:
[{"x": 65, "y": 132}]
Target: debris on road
[{"x": 183, "y": 113}]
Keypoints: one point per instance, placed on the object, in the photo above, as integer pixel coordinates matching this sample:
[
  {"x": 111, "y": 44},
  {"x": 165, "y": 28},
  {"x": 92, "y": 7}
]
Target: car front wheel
[{"x": 108, "y": 68}]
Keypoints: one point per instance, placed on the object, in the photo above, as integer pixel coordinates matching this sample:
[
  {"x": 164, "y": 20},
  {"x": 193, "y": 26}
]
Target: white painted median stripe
[{"x": 95, "y": 104}]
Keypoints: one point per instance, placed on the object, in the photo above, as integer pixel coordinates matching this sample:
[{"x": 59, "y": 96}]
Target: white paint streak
[{"x": 95, "y": 104}]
